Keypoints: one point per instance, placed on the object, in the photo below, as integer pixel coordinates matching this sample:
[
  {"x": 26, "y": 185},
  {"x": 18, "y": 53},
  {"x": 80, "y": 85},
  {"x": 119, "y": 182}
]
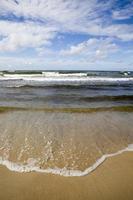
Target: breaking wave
[{"x": 26, "y": 81}]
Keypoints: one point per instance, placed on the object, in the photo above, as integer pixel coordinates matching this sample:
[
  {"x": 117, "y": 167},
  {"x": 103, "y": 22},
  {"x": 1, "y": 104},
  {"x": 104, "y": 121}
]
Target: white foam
[
  {"x": 62, "y": 79},
  {"x": 55, "y": 76},
  {"x": 63, "y": 172}
]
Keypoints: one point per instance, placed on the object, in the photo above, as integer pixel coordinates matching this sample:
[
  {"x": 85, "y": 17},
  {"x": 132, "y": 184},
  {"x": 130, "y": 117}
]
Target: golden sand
[{"x": 113, "y": 180}]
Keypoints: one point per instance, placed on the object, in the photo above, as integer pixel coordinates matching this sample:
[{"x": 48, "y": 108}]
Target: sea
[{"x": 64, "y": 122}]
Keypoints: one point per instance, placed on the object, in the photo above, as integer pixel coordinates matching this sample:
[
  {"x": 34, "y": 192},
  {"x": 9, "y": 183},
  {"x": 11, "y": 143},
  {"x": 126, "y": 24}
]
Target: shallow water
[
  {"x": 70, "y": 140},
  {"x": 65, "y": 125}
]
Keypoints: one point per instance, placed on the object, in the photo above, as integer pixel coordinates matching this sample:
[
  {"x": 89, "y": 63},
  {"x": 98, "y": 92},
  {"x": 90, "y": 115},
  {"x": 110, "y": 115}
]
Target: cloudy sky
[{"x": 66, "y": 34}]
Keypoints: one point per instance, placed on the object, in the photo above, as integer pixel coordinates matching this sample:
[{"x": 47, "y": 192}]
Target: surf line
[{"x": 60, "y": 171}]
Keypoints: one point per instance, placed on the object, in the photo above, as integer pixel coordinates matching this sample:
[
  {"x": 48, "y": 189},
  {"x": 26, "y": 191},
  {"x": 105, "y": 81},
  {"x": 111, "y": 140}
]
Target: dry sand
[{"x": 113, "y": 180}]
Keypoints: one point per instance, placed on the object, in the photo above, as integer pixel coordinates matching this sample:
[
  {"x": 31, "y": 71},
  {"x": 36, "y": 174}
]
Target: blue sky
[{"x": 66, "y": 34}]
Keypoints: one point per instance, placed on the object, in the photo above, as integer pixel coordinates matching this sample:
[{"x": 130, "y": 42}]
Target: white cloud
[
  {"x": 124, "y": 13},
  {"x": 59, "y": 11},
  {"x": 86, "y": 16},
  {"x": 23, "y": 35},
  {"x": 121, "y": 31},
  {"x": 95, "y": 48},
  {"x": 44, "y": 19}
]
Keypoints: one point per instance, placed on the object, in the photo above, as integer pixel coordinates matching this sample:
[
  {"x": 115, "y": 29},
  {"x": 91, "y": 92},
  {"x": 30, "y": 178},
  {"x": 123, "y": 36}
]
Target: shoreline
[
  {"x": 62, "y": 172},
  {"x": 128, "y": 108},
  {"x": 112, "y": 180}
]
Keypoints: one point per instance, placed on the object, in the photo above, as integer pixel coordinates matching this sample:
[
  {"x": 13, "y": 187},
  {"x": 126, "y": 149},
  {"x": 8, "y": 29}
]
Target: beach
[
  {"x": 66, "y": 100},
  {"x": 66, "y": 136},
  {"x": 111, "y": 180}
]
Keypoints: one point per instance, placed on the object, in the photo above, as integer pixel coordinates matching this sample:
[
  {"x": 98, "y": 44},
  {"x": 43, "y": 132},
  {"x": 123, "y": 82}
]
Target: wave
[
  {"x": 75, "y": 98},
  {"x": 66, "y": 82},
  {"x": 44, "y": 74},
  {"x": 56, "y": 76},
  {"x": 67, "y": 85},
  {"x": 60, "y": 171},
  {"x": 107, "y": 98}
]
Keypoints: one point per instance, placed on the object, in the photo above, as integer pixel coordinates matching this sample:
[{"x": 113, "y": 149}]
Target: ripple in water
[{"x": 69, "y": 142}]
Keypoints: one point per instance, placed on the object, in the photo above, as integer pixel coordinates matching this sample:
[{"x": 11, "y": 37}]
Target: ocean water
[{"x": 64, "y": 122}]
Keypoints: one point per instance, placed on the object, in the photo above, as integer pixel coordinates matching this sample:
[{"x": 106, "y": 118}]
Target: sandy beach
[
  {"x": 66, "y": 126},
  {"x": 66, "y": 100},
  {"x": 112, "y": 180}
]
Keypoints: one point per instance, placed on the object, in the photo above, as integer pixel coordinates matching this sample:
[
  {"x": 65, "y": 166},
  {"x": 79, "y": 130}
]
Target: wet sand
[{"x": 113, "y": 180}]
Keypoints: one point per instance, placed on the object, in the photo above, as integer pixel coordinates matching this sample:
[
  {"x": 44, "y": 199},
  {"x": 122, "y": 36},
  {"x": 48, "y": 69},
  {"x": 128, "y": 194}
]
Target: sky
[{"x": 66, "y": 34}]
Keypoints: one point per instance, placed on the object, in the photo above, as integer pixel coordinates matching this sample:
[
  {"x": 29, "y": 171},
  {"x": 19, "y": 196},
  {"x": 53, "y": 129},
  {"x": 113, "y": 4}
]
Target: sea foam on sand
[{"x": 64, "y": 171}]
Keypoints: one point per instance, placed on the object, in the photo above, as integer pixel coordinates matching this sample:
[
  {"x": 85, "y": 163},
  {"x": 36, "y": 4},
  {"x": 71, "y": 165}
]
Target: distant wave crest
[{"x": 19, "y": 81}]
